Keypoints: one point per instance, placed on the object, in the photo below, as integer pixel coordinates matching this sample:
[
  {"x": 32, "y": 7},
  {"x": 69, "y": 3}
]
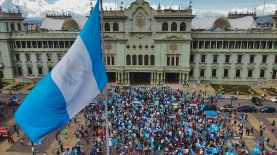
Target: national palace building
[{"x": 144, "y": 45}]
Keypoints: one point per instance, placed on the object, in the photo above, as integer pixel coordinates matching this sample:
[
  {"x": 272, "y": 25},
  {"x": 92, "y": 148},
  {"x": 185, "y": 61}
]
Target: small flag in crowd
[{"x": 75, "y": 81}]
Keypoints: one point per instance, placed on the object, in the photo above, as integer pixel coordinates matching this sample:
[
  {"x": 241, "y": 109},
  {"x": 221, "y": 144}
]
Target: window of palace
[
  {"x": 172, "y": 61},
  {"x": 177, "y": 61},
  {"x": 232, "y": 45},
  {"x": 34, "y": 44},
  {"x": 146, "y": 60},
  {"x": 19, "y": 27},
  {"x": 275, "y": 61},
  {"x": 215, "y": 58},
  {"x": 146, "y": 46},
  {"x": 56, "y": 44},
  {"x": 191, "y": 58},
  {"x": 244, "y": 45},
  {"x": 165, "y": 26},
  {"x": 50, "y": 69},
  {"x": 113, "y": 62},
  {"x": 275, "y": 45},
  {"x": 250, "y": 45},
  {"x": 107, "y": 27},
  {"x": 45, "y": 44},
  {"x": 67, "y": 44},
  {"x": 219, "y": 45},
  {"x": 60, "y": 56},
  {"x": 213, "y": 45},
  {"x": 226, "y": 73},
  {"x": 140, "y": 60},
  {"x": 39, "y": 44},
  {"x": 18, "y": 44},
  {"x": 238, "y": 45},
  {"x": 19, "y": 71},
  {"x": 29, "y": 44},
  {"x": 50, "y": 44},
  {"x": 115, "y": 27},
  {"x": 183, "y": 26},
  {"x": 23, "y": 44},
  {"x": 38, "y": 55},
  {"x": 264, "y": 59},
  {"x": 128, "y": 60},
  {"x": 207, "y": 45},
  {"x": 201, "y": 44},
  {"x": 239, "y": 60},
  {"x": 250, "y": 72},
  {"x": 152, "y": 60},
  {"x": 252, "y": 58},
  {"x": 238, "y": 73},
  {"x": 49, "y": 57},
  {"x": 174, "y": 26},
  {"x": 39, "y": 70},
  {"x": 257, "y": 45},
  {"x": 134, "y": 59},
  {"x": 202, "y": 72},
  {"x": 262, "y": 73},
  {"x": 30, "y": 71},
  {"x": 263, "y": 45},
  {"x": 269, "y": 45},
  {"x": 194, "y": 44},
  {"x": 108, "y": 61},
  {"x": 213, "y": 72},
  {"x": 227, "y": 58},
  {"x": 191, "y": 72},
  {"x": 12, "y": 27},
  {"x": 28, "y": 57},
  {"x": 168, "y": 61},
  {"x": 61, "y": 44},
  {"x": 16, "y": 57},
  {"x": 152, "y": 47},
  {"x": 225, "y": 45},
  {"x": 203, "y": 58}
]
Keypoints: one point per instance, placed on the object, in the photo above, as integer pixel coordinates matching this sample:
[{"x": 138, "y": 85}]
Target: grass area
[
  {"x": 234, "y": 89},
  {"x": 270, "y": 91},
  {"x": 19, "y": 86},
  {"x": 4, "y": 84}
]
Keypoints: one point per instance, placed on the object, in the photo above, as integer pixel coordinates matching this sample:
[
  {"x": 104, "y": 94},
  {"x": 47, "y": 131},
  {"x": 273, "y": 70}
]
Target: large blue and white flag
[{"x": 75, "y": 81}]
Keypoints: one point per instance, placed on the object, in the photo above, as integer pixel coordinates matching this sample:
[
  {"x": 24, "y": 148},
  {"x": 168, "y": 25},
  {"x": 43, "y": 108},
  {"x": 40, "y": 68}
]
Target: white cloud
[
  {"x": 38, "y": 8},
  {"x": 269, "y": 9}
]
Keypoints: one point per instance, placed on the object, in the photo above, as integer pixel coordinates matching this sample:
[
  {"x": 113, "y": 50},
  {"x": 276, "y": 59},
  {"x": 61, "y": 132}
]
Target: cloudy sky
[{"x": 37, "y": 8}]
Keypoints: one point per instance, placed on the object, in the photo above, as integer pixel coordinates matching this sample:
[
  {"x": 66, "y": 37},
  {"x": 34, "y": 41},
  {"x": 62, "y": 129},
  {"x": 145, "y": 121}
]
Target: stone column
[
  {"x": 116, "y": 77},
  {"x": 180, "y": 78}
]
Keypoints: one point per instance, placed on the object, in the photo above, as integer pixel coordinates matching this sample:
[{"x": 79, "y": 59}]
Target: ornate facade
[{"x": 143, "y": 45}]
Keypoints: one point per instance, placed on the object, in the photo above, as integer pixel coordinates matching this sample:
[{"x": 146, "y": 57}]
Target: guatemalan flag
[{"x": 75, "y": 81}]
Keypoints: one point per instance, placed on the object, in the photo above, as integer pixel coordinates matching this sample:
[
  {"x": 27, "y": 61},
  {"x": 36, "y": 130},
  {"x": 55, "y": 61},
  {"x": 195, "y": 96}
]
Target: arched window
[
  {"x": 134, "y": 58},
  {"x": 128, "y": 60},
  {"x": 174, "y": 26},
  {"x": 165, "y": 26},
  {"x": 183, "y": 26},
  {"x": 12, "y": 27},
  {"x": 115, "y": 27},
  {"x": 19, "y": 26},
  {"x": 152, "y": 60},
  {"x": 107, "y": 27},
  {"x": 140, "y": 60},
  {"x": 146, "y": 61}
]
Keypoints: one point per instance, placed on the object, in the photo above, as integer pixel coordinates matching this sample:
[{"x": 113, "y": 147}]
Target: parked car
[
  {"x": 257, "y": 101},
  {"x": 14, "y": 102},
  {"x": 227, "y": 108},
  {"x": 268, "y": 109},
  {"x": 247, "y": 109},
  {"x": 274, "y": 100}
]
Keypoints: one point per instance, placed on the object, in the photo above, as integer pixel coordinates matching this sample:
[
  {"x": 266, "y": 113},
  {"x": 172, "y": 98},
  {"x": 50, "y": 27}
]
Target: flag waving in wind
[{"x": 75, "y": 81}]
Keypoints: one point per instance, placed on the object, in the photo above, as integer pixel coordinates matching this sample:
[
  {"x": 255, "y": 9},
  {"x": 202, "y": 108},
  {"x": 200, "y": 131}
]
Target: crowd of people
[{"x": 158, "y": 120}]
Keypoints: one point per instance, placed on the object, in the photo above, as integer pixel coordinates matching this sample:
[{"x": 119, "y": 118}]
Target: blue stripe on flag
[
  {"x": 43, "y": 110},
  {"x": 91, "y": 37}
]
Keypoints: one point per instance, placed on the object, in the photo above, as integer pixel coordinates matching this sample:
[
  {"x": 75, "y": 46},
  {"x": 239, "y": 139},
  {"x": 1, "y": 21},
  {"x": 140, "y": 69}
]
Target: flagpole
[{"x": 105, "y": 90}]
